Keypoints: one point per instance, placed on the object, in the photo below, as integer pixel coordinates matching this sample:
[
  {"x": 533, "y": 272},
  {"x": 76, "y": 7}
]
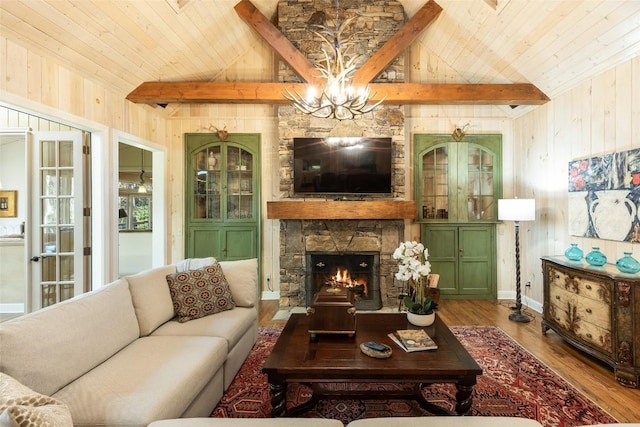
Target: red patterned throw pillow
[{"x": 199, "y": 293}]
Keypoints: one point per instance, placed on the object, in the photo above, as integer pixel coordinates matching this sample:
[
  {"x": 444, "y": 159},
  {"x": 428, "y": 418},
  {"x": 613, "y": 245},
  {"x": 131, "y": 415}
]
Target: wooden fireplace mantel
[{"x": 341, "y": 209}]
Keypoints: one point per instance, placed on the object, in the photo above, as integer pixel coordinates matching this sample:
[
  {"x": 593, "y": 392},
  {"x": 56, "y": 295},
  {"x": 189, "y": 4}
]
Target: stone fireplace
[
  {"x": 356, "y": 271},
  {"x": 301, "y": 238}
]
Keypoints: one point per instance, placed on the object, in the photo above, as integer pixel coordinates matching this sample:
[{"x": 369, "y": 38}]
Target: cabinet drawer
[
  {"x": 582, "y": 286},
  {"x": 583, "y": 308},
  {"x": 574, "y": 323}
]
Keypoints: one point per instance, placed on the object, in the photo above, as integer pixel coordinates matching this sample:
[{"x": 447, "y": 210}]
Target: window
[{"x": 135, "y": 212}]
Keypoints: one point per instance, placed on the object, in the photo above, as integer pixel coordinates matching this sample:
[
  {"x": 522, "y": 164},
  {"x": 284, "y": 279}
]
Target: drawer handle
[
  {"x": 589, "y": 336},
  {"x": 588, "y": 310},
  {"x": 588, "y": 287}
]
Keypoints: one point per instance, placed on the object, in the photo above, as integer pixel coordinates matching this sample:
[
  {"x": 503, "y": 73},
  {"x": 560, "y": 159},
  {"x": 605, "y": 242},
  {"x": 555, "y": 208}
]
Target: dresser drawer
[
  {"x": 582, "y": 322},
  {"x": 583, "y": 308},
  {"x": 582, "y": 286}
]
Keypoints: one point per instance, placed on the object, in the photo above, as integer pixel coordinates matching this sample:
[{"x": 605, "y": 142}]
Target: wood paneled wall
[
  {"x": 42, "y": 80},
  {"x": 599, "y": 116}
]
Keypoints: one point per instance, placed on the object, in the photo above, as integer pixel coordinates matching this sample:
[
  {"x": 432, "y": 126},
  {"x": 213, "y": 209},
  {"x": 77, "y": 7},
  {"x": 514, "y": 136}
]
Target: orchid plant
[{"x": 414, "y": 267}]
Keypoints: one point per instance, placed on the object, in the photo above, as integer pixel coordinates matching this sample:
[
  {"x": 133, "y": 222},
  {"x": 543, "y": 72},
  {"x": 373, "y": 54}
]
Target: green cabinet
[
  {"x": 222, "y": 196},
  {"x": 457, "y": 187},
  {"x": 464, "y": 257}
]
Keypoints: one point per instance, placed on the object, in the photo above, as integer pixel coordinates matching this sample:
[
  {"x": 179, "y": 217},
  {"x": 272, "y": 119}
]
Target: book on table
[{"x": 413, "y": 340}]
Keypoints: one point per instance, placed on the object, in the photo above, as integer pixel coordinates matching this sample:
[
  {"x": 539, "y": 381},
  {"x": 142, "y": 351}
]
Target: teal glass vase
[
  {"x": 596, "y": 258},
  {"x": 628, "y": 264},
  {"x": 574, "y": 253}
]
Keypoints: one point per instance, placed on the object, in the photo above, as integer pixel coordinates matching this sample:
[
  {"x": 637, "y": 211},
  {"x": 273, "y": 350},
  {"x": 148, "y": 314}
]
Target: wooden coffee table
[{"x": 338, "y": 359}]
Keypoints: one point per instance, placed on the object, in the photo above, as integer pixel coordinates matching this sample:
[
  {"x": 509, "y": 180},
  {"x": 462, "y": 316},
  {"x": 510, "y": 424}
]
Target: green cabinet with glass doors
[
  {"x": 222, "y": 196},
  {"x": 457, "y": 187}
]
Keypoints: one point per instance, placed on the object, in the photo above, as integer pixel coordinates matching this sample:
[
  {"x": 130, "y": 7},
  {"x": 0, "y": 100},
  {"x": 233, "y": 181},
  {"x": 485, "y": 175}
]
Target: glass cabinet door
[
  {"x": 457, "y": 181},
  {"x": 207, "y": 183},
  {"x": 239, "y": 183},
  {"x": 435, "y": 187},
  {"x": 223, "y": 180},
  {"x": 480, "y": 193}
]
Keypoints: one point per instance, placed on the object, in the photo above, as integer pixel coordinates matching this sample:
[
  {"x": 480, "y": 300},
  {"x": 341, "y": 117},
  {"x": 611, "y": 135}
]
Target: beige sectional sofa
[{"x": 117, "y": 356}]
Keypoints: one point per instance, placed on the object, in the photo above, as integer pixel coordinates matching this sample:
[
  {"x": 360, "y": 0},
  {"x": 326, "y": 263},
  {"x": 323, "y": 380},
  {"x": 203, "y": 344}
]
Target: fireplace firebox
[{"x": 358, "y": 272}]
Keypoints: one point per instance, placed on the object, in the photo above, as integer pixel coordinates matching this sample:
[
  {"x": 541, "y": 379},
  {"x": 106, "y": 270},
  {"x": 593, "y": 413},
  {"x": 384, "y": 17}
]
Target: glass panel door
[
  {"x": 207, "y": 183},
  {"x": 58, "y": 234},
  {"x": 239, "y": 183},
  {"x": 480, "y": 195},
  {"x": 435, "y": 184}
]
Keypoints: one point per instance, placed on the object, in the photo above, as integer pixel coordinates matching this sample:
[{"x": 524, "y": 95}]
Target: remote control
[{"x": 376, "y": 346}]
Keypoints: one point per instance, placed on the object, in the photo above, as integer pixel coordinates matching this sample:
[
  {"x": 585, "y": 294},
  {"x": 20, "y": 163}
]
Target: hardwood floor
[{"x": 589, "y": 375}]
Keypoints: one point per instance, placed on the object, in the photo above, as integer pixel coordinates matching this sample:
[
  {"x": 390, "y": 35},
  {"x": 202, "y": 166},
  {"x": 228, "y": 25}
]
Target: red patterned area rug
[{"x": 514, "y": 383}]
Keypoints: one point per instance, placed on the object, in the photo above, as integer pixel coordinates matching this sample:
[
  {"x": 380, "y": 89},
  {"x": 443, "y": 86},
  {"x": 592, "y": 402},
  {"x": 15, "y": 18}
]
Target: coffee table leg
[
  {"x": 463, "y": 398},
  {"x": 278, "y": 398}
]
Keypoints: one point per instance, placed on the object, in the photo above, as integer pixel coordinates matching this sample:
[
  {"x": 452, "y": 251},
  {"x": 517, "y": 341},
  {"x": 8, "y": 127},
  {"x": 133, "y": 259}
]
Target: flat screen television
[{"x": 343, "y": 167}]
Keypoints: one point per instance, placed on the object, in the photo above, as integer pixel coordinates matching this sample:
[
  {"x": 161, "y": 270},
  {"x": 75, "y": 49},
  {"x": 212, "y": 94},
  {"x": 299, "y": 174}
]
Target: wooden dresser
[{"x": 596, "y": 309}]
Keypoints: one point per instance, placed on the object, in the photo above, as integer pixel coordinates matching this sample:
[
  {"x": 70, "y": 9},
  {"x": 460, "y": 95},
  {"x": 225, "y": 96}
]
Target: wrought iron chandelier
[{"x": 339, "y": 99}]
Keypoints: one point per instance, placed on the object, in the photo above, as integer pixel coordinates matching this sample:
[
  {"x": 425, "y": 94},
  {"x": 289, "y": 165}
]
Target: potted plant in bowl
[{"x": 414, "y": 268}]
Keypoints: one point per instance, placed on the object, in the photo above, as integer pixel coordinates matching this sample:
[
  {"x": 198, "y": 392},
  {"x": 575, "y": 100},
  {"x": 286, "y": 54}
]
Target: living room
[{"x": 593, "y": 110}]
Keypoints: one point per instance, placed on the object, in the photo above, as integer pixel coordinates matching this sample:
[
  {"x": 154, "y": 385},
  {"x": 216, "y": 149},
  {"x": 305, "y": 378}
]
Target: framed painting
[
  {"x": 8, "y": 204},
  {"x": 604, "y": 196}
]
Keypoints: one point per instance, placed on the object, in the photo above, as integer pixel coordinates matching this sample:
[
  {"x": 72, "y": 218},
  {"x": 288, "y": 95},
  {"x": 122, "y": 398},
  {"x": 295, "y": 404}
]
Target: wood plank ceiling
[
  {"x": 552, "y": 44},
  {"x": 391, "y": 93}
]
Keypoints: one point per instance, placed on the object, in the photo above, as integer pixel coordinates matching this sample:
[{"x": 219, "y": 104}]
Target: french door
[{"x": 61, "y": 255}]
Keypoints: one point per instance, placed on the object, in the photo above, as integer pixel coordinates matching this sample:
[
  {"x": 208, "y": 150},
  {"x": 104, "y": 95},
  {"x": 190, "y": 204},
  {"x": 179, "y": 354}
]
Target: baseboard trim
[
  {"x": 270, "y": 295},
  {"x": 11, "y": 308},
  {"x": 528, "y": 302}
]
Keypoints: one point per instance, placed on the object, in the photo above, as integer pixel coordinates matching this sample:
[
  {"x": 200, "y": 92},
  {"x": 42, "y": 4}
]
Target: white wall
[{"x": 134, "y": 249}]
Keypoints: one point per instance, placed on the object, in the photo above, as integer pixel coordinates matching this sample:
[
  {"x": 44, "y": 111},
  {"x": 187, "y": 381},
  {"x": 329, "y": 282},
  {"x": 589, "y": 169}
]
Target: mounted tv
[{"x": 342, "y": 166}]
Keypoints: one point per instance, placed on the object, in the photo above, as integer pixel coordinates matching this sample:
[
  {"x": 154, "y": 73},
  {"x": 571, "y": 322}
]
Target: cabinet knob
[
  {"x": 588, "y": 310},
  {"x": 589, "y": 336},
  {"x": 557, "y": 297},
  {"x": 588, "y": 287}
]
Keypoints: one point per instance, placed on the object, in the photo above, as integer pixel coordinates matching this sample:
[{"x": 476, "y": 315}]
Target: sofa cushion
[
  {"x": 199, "y": 293},
  {"x": 242, "y": 276},
  {"x": 230, "y": 325},
  {"x": 151, "y": 298},
  {"x": 21, "y": 406},
  {"x": 151, "y": 379},
  {"x": 49, "y": 348}
]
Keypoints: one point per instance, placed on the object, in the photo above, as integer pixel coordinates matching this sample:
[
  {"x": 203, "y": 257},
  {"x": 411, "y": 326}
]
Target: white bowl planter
[{"x": 421, "y": 319}]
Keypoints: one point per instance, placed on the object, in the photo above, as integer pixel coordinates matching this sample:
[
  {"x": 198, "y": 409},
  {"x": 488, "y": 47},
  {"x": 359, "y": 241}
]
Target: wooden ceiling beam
[
  {"x": 278, "y": 42},
  {"x": 400, "y": 41},
  {"x": 393, "y": 93}
]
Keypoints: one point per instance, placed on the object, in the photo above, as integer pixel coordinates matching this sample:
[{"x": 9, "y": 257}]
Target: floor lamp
[{"x": 517, "y": 210}]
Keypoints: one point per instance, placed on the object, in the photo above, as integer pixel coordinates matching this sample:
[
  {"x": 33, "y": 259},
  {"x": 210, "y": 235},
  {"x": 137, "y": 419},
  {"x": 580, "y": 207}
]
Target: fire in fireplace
[{"x": 359, "y": 272}]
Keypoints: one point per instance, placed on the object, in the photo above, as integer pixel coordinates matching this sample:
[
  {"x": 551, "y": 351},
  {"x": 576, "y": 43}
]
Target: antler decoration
[{"x": 222, "y": 133}]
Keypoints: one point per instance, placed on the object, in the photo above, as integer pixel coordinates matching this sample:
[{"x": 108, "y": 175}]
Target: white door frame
[{"x": 159, "y": 204}]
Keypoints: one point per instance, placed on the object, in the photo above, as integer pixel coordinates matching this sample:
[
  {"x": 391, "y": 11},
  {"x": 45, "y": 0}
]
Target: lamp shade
[{"x": 517, "y": 209}]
